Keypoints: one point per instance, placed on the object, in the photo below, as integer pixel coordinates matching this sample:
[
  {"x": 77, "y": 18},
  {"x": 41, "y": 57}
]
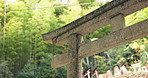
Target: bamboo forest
[{"x": 24, "y": 53}]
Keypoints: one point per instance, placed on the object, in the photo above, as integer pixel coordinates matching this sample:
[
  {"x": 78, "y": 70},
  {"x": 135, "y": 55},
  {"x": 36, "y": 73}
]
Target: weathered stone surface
[
  {"x": 75, "y": 63},
  {"x": 60, "y": 60},
  {"x": 117, "y": 22},
  {"x": 94, "y": 20},
  {"x": 112, "y": 13},
  {"x": 114, "y": 39}
]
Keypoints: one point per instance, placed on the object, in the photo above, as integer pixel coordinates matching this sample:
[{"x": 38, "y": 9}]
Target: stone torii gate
[{"x": 112, "y": 13}]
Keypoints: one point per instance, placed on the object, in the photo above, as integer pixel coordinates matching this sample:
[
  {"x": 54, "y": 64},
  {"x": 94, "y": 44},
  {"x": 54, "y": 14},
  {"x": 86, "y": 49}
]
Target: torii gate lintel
[{"x": 112, "y": 13}]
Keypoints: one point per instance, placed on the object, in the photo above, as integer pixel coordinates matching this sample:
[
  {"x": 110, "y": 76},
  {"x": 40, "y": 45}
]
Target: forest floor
[{"x": 134, "y": 75}]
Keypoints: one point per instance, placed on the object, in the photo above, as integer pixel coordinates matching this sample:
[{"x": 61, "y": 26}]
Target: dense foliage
[{"x": 24, "y": 54}]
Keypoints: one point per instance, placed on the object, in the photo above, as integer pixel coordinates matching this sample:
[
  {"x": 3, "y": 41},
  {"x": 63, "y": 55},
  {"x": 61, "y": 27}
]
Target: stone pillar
[
  {"x": 117, "y": 22},
  {"x": 75, "y": 63}
]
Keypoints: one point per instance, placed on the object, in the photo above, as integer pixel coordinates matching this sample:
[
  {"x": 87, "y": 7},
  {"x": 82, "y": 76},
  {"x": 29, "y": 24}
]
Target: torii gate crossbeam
[{"x": 112, "y": 13}]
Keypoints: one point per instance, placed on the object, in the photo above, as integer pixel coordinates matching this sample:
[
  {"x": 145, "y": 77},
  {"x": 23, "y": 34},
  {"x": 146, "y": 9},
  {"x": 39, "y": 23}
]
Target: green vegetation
[{"x": 24, "y": 54}]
